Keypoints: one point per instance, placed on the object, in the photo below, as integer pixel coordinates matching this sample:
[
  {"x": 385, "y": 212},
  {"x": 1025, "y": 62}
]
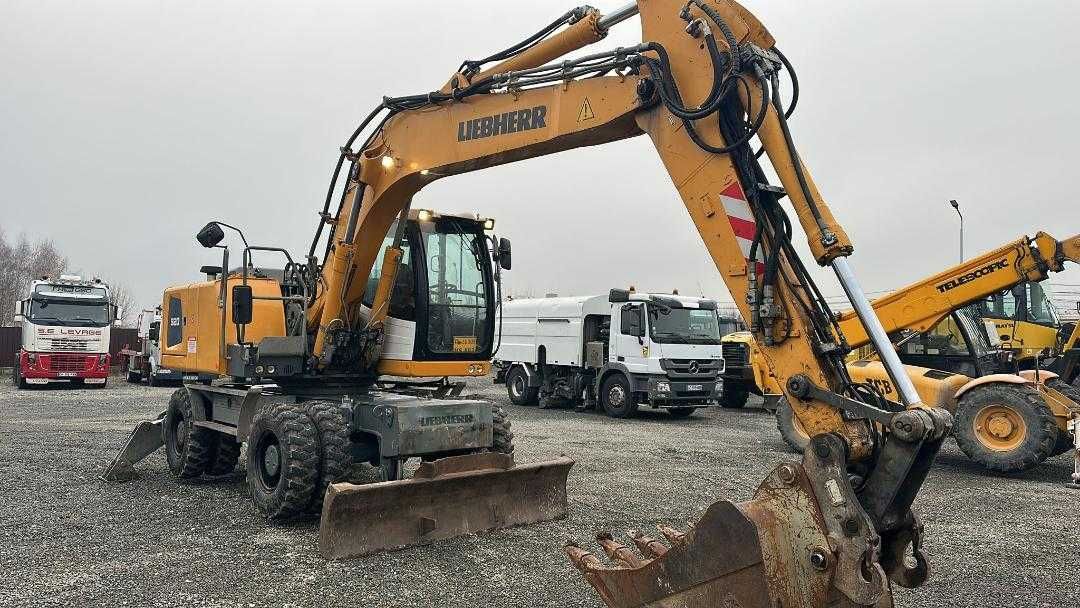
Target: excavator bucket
[
  {"x": 803, "y": 540},
  {"x": 143, "y": 441},
  {"x": 444, "y": 498}
]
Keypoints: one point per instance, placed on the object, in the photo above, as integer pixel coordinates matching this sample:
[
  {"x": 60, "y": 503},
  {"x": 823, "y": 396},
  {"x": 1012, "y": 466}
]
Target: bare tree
[
  {"x": 20, "y": 263},
  {"x": 121, "y": 296}
]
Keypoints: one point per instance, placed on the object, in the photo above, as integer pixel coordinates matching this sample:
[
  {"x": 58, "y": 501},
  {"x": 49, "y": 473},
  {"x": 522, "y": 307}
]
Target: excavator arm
[
  {"x": 703, "y": 85},
  {"x": 922, "y": 305}
]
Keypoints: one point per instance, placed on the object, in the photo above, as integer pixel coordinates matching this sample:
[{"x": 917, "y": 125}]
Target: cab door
[{"x": 629, "y": 336}]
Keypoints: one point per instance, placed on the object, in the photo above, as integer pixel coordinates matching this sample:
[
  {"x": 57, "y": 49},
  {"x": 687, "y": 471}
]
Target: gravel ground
[{"x": 70, "y": 539}]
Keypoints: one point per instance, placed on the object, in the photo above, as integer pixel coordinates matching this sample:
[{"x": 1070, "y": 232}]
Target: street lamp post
[{"x": 956, "y": 205}]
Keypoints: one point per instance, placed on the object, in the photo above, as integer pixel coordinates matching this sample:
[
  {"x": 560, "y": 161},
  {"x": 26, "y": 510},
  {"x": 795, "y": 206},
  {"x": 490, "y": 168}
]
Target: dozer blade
[
  {"x": 143, "y": 441},
  {"x": 445, "y": 498}
]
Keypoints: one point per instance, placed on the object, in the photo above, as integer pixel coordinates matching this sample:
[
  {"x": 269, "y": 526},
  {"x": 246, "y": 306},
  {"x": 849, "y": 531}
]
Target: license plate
[
  {"x": 693, "y": 387},
  {"x": 66, "y": 374}
]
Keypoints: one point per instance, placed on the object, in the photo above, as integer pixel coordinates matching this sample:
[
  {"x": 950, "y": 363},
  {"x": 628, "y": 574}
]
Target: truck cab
[
  {"x": 65, "y": 326},
  {"x": 619, "y": 351}
]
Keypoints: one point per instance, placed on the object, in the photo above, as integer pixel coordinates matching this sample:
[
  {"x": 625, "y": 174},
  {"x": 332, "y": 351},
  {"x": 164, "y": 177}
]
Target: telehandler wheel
[
  {"x": 189, "y": 449},
  {"x": 502, "y": 437},
  {"x": 335, "y": 449},
  {"x": 282, "y": 460},
  {"x": 681, "y": 412},
  {"x": 735, "y": 395},
  {"x": 791, "y": 430},
  {"x": 518, "y": 389},
  {"x": 226, "y": 456},
  {"x": 1005, "y": 427},
  {"x": 616, "y": 398}
]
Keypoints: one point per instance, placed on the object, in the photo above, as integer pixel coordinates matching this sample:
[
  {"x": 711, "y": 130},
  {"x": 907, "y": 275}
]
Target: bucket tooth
[
  {"x": 673, "y": 535},
  {"x": 649, "y": 547},
  {"x": 583, "y": 560},
  {"x": 618, "y": 552}
]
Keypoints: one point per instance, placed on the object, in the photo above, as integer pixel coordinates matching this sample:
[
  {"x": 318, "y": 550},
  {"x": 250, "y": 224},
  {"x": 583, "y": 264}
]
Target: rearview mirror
[
  {"x": 504, "y": 254},
  {"x": 242, "y": 304},
  {"x": 117, "y": 313},
  {"x": 632, "y": 322},
  {"x": 210, "y": 235},
  {"x": 154, "y": 331},
  {"x": 19, "y": 308}
]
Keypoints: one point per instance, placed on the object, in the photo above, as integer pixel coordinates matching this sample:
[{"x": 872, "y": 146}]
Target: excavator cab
[{"x": 442, "y": 305}]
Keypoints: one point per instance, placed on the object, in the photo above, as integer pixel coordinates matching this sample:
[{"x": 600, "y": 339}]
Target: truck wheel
[
  {"x": 282, "y": 460},
  {"x": 16, "y": 377},
  {"x": 226, "y": 456},
  {"x": 1005, "y": 427},
  {"x": 790, "y": 428},
  {"x": 502, "y": 437},
  {"x": 134, "y": 377},
  {"x": 681, "y": 412},
  {"x": 335, "y": 449},
  {"x": 518, "y": 389},
  {"x": 735, "y": 395},
  {"x": 189, "y": 449},
  {"x": 616, "y": 397}
]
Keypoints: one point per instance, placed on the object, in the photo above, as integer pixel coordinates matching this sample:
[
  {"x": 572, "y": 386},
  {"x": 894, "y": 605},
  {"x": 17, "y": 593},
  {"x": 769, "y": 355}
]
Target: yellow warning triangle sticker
[{"x": 585, "y": 113}]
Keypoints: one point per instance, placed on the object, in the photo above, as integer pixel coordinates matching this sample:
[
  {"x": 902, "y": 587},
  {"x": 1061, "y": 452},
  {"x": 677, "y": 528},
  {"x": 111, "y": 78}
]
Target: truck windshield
[
  {"x": 46, "y": 310},
  {"x": 683, "y": 325}
]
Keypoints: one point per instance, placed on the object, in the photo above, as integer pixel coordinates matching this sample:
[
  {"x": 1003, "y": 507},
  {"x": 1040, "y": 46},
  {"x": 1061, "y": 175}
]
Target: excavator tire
[
  {"x": 1005, "y": 427},
  {"x": 226, "y": 457},
  {"x": 282, "y": 460},
  {"x": 518, "y": 389},
  {"x": 335, "y": 452},
  {"x": 503, "y": 437},
  {"x": 189, "y": 449},
  {"x": 1064, "y": 440},
  {"x": 735, "y": 395},
  {"x": 1063, "y": 444},
  {"x": 790, "y": 428}
]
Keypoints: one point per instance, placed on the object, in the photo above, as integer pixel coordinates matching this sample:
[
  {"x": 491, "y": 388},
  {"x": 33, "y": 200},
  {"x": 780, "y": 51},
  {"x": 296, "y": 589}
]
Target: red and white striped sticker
[{"x": 741, "y": 220}]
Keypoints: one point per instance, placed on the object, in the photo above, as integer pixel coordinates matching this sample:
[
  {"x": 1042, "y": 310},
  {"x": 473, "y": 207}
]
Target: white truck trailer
[
  {"x": 623, "y": 350},
  {"x": 65, "y": 332}
]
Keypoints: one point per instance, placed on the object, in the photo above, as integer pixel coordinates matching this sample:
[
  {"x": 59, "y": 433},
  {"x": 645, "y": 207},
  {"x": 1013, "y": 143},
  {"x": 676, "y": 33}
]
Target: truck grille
[
  {"x": 67, "y": 344},
  {"x": 64, "y": 362},
  {"x": 735, "y": 354},
  {"x": 691, "y": 368}
]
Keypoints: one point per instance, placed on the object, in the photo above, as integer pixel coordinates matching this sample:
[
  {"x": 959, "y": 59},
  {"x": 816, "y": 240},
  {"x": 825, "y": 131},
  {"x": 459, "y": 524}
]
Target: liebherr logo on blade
[{"x": 503, "y": 124}]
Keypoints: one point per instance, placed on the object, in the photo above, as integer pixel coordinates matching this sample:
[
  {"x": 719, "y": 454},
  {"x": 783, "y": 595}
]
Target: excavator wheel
[
  {"x": 335, "y": 452},
  {"x": 282, "y": 460},
  {"x": 1063, "y": 444},
  {"x": 735, "y": 395},
  {"x": 1064, "y": 439},
  {"x": 189, "y": 449},
  {"x": 502, "y": 436},
  {"x": 226, "y": 456},
  {"x": 518, "y": 389},
  {"x": 791, "y": 430},
  {"x": 1005, "y": 427}
]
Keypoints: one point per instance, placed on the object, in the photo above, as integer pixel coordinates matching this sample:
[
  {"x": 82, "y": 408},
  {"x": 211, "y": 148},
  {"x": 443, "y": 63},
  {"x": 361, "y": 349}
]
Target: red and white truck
[{"x": 65, "y": 332}]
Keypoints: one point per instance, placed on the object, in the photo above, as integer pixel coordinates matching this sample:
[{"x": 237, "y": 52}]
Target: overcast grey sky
[{"x": 127, "y": 125}]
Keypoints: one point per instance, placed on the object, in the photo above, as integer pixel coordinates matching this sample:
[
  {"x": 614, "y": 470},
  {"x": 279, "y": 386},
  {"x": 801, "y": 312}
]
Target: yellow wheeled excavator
[{"x": 836, "y": 529}]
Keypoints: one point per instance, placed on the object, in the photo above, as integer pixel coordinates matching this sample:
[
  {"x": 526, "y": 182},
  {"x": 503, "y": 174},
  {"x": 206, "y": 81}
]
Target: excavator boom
[{"x": 703, "y": 85}]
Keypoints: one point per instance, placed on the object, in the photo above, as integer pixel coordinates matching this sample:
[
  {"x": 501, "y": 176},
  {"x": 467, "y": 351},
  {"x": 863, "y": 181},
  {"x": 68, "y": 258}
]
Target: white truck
[
  {"x": 623, "y": 350},
  {"x": 65, "y": 332},
  {"x": 145, "y": 363}
]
